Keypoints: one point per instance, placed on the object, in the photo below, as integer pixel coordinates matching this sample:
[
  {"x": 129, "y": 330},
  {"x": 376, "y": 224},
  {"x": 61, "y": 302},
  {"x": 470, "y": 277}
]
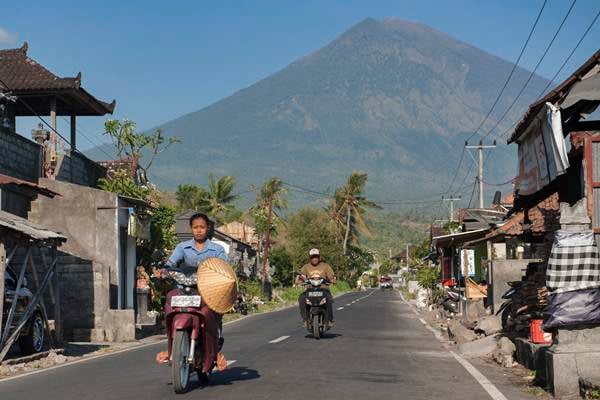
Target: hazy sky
[{"x": 160, "y": 60}]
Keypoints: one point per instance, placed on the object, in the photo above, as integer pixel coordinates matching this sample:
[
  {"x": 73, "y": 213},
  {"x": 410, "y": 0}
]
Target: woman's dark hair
[{"x": 209, "y": 223}]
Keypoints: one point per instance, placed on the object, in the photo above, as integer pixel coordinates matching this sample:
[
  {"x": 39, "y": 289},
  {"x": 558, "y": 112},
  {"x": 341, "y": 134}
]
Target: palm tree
[
  {"x": 270, "y": 200},
  {"x": 188, "y": 196},
  {"x": 219, "y": 196},
  {"x": 350, "y": 201},
  {"x": 216, "y": 200}
]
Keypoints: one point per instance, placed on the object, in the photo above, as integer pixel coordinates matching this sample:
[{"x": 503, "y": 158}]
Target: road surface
[{"x": 379, "y": 349}]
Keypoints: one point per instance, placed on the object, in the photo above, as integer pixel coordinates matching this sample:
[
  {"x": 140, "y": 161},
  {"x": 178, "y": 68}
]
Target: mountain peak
[{"x": 393, "y": 98}]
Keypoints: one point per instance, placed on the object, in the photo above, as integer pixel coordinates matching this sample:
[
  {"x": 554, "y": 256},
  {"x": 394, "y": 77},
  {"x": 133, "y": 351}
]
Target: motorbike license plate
[
  {"x": 186, "y": 301},
  {"x": 315, "y": 294}
]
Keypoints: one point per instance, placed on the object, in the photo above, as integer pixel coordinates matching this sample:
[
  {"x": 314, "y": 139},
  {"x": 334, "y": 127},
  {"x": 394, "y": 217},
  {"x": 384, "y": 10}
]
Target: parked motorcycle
[
  {"x": 185, "y": 327},
  {"x": 316, "y": 300},
  {"x": 241, "y": 305},
  {"x": 451, "y": 302}
]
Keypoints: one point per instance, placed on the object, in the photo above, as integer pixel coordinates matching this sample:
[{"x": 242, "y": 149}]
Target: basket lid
[{"x": 217, "y": 284}]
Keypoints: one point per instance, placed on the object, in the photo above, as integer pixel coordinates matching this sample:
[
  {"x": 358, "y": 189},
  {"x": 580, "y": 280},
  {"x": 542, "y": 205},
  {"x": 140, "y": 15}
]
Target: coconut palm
[
  {"x": 271, "y": 199},
  {"x": 217, "y": 200},
  {"x": 350, "y": 201},
  {"x": 219, "y": 196}
]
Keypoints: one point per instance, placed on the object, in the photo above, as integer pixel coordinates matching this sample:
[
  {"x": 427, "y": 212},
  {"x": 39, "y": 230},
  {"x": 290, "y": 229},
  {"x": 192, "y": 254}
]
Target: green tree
[
  {"x": 122, "y": 184},
  {"x": 271, "y": 199},
  {"x": 388, "y": 267},
  {"x": 350, "y": 201},
  {"x": 220, "y": 197},
  {"x": 216, "y": 201},
  {"x": 133, "y": 144},
  {"x": 281, "y": 259},
  {"x": 188, "y": 197}
]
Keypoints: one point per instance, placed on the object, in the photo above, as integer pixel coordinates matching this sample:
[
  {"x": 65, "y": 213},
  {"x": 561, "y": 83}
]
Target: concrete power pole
[
  {"x": 451, "y": 200},
  {"x": 480, "y": 147}
]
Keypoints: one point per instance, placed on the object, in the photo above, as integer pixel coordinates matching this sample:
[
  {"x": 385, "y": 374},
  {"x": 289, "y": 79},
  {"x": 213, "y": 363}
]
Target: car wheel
[{"x": 34, "y": 341}]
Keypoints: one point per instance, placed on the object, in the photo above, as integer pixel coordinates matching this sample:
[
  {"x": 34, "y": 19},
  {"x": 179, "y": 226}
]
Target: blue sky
[{"x": 161, "y": 60}]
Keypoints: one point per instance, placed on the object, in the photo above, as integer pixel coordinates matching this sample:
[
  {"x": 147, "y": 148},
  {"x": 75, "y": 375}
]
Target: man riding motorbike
[
  {"x": 186, "y": 256},
  {"x": 324, "y": 270}
]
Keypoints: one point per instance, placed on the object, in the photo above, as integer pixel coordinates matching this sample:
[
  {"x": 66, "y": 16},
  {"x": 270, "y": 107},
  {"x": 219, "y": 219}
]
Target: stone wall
[{"x": 19, "y": 156}]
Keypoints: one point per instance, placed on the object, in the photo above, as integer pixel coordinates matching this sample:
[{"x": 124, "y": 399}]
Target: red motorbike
[{"x": 192, "y": 329}]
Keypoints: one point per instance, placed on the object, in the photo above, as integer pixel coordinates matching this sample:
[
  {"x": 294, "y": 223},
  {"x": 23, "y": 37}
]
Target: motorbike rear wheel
[
  {"x": 316, "y": 327},
  {"x": 180, "y": 365}
]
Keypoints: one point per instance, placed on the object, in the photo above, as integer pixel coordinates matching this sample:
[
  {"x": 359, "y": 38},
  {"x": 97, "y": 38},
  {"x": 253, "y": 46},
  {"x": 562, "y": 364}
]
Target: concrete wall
[
  {"x": 89, "y": 218},
  {"x": 19, "y": 156},
  {"x": 500, "y": 272}
]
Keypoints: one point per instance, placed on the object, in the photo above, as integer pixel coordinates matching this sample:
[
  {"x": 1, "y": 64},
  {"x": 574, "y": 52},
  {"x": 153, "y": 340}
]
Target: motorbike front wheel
[
  {"x": 316, "y": 327},
  {"x": 180, "y": 365}
]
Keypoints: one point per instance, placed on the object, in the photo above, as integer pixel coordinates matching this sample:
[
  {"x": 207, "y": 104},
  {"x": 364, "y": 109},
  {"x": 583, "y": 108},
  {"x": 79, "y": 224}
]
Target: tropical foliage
[
  {"x": 216, "y": 200},
  {"x": 132, "y": 144},
  {"x": 349, "y": 207}
]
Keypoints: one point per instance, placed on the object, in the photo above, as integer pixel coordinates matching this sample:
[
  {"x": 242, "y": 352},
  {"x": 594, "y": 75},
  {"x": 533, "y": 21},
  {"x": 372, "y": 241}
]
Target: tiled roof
[
  {"x": 22, "y": 75},
  {"x": 544, "y": 217}
]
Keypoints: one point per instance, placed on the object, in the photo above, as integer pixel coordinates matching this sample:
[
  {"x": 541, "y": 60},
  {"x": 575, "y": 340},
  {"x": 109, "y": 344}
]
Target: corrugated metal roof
[
  {"x": 558, "y": 93},
  {"x": 28, "y": 228},
  {"x": 6, "y": 180}
]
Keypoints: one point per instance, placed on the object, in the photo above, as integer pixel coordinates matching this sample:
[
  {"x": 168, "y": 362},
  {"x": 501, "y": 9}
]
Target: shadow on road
[{"x": 325, "y": 336}]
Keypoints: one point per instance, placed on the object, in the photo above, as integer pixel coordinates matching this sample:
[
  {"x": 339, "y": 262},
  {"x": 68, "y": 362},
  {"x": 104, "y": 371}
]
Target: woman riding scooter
[{"x": 187, "y": 255}]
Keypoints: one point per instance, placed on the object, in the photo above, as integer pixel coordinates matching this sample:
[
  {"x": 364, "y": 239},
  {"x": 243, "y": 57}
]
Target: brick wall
[{"x": 19, "y": 156}]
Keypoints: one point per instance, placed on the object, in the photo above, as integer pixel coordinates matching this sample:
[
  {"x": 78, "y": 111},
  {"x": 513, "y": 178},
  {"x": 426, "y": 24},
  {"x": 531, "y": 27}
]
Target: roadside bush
[
  {"x": 251, "y": 289},
  {"x": 340, "y": 287}
]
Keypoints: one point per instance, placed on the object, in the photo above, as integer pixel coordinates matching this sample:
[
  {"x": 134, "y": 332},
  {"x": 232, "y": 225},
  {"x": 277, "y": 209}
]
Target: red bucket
[{"x": 537, "y": 335}]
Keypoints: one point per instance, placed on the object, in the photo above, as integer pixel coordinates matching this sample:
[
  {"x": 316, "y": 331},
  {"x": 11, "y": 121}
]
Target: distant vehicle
[
  {"x": 32, "y": 336},
  {"x": 386, "y": 283}
]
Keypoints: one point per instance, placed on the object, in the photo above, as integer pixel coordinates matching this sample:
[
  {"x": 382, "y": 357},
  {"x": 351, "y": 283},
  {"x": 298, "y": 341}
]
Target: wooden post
[
  {"x": 53, "y": 114},
  {"x": 57, "y": 316},
  {"x": 2, "y": 269},
  {"x": 73, "y": 132}
]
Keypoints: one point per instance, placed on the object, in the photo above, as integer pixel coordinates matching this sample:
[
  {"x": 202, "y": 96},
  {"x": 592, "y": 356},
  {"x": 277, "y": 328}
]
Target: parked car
[{"x": 32, "y": 336}]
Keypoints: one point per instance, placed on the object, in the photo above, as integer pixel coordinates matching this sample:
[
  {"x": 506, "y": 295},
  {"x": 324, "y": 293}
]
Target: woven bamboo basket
[{"x": 217, "y": 284}]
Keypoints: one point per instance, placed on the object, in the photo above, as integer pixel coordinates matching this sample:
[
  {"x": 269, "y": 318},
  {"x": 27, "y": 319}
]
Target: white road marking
[
  {"x": 348, "y": 305},
  {"x": 229, "y": 362},
  {"x": 485, "y": 383},
  {"x": 340, "y": 308},
  {"x": 482, "y": 380},
  {"x": 279, "y": 339}
]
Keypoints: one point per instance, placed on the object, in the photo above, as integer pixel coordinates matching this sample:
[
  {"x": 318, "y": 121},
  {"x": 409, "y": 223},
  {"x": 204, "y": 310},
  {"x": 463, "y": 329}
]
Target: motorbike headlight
[
  {"x": 183, "y": 279},
  {"x": 316, "y": 282},
  {"x": 323, "y": 301},
  {"x": 308, "y": 301}
]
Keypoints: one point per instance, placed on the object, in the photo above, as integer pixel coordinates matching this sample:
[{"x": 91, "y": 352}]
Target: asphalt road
[{"x": 378, "y": 349}]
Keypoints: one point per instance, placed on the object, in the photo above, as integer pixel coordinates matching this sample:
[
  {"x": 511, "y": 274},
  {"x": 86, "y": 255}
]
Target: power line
[
  {"x": 532, "y": 74},
  {"x": 31, "y": 110},
  {"x": 567, "y": 59},
  {"x": 537, "y": 19},
  {"x": 571, "y": 53},
  {"x": 85, "y": 136},
  {"x": 472, "y": 193}
]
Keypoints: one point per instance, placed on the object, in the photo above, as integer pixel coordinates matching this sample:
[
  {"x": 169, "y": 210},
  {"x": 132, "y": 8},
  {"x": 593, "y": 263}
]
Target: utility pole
[
  {"x": 451, "y": 200},
  {"x": 480, "y": 147}
]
